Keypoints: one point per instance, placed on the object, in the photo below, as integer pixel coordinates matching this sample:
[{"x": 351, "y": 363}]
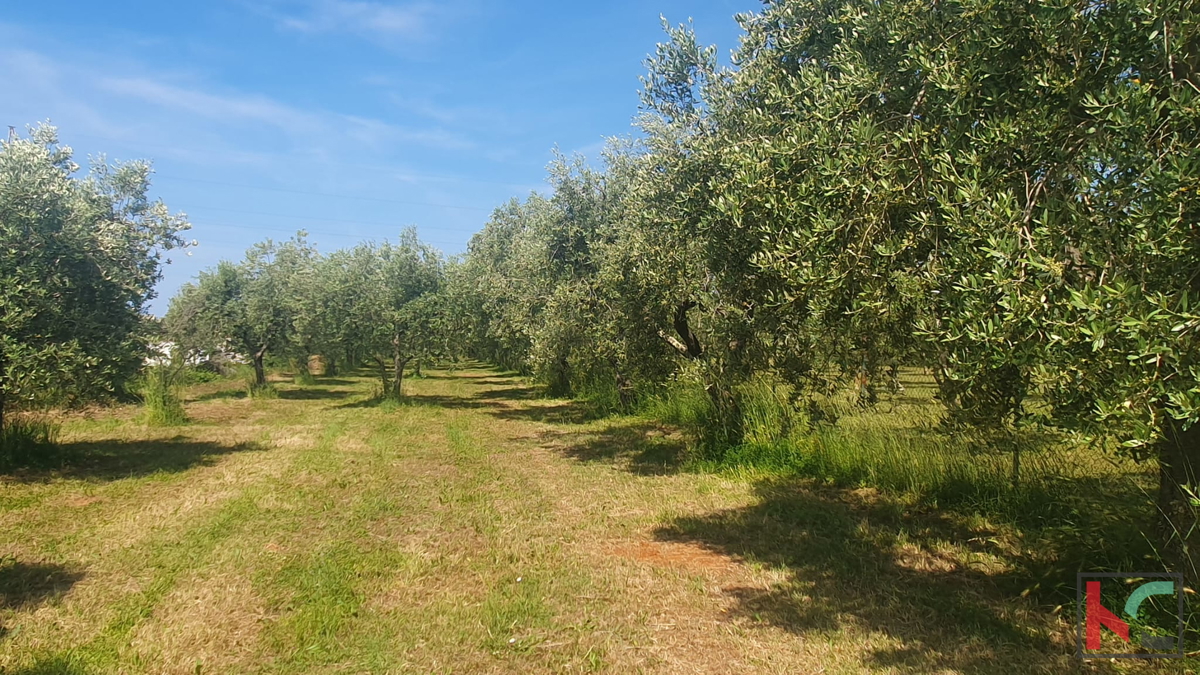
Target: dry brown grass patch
[
  {"x": 678, "y": 555},
  {"x": 210, "y": 624}
]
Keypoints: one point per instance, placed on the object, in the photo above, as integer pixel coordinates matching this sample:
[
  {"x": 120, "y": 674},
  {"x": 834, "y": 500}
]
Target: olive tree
[
  {"x": 250, "y": 306},
  {"x": 1004, "y": 191},
  {"x": 79, "y": 257}
]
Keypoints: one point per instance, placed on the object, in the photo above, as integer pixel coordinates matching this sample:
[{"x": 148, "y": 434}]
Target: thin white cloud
[
  {"x": 372, "y": 131},
  {"x": 240, "y": 109},
  {"x": 459, "y": 116},
  {"x": 410, "y": 20},
  {"x": 247, "y": 108}
]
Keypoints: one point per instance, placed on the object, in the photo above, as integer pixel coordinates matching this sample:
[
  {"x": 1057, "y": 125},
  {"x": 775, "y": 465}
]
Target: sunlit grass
[{"x": 474, "y": 528}]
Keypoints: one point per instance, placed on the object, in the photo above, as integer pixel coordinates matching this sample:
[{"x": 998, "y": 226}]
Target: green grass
[
  {"x": 266, "y": 391},
  {"x": 1080, "y": 507},
  {"x": 474, "y": 527},
  {"x": 898, "y": 446}
]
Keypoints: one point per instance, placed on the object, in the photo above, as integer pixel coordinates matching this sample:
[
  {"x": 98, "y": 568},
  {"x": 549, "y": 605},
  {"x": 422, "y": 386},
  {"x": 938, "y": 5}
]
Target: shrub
[{"x": 199, "y": 374}]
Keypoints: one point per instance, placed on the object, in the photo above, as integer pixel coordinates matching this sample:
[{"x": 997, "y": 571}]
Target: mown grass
[{"x": 474, "y": 527}]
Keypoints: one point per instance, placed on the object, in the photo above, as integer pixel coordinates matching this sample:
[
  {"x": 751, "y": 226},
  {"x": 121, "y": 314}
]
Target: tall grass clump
[
  {"x": 303, "y": 376},
  {"x": 601, "y": 395},
  {"x": 162, "y": 397},
  {"x": 767, "y": 414},
  {"x": 764, "y": 415},
  {"x": 908, "y": 456},
  {"x": 688, "y": 406},
  {"x": 936, "y": 468},
  {"x": 27, "y": 441},
  {"x": 261, "y": 391}
]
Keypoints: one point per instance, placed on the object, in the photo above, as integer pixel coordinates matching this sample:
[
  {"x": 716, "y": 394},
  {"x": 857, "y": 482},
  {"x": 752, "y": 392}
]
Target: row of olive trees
[
  {"x": 382, "y": 305},
  {"x": 79, "y": 257},
  {"x": 1004, "y": 192}
]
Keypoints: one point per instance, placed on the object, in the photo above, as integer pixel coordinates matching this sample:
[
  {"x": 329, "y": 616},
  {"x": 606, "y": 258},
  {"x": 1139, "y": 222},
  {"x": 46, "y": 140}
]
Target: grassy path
[{"x": 475, "y": 529}]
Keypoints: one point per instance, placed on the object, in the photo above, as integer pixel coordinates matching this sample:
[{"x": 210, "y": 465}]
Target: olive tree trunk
[
  {"x": 383, "y": 376},
  {"x": 399, "y": 361},
  {"x": 1178, "y": 461},
  {"x": 260, "y": 374}
]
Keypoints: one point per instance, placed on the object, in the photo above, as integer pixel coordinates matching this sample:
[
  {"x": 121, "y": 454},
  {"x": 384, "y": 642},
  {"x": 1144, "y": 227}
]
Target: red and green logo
[{"x": 1148, "y": 623}]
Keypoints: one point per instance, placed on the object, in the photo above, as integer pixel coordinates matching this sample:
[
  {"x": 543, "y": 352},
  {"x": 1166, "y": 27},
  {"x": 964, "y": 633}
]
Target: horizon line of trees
[{"x": 382, "y": 305}]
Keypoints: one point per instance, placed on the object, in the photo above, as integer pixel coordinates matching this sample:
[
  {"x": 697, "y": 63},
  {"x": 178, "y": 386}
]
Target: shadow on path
[
  {"x": 509, "y": 394},
  {"x": 313, "y": 394},
  {"x": 25, "y": 586},
  {"x": 556, "y": 412},
  {"x": 116, "y": 459},
  {"x": 334, "y": 381},
  {"x": 220, "y": 394},
  {"x": 641, "y": 447},
  {"x": 53, "y": 666},
  {"x": 429, "y": 400},
  {"x": 854, "y": 562}
]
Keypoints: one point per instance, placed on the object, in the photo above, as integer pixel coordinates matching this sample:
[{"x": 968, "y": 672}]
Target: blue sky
[{"x": 350, "y": 119}]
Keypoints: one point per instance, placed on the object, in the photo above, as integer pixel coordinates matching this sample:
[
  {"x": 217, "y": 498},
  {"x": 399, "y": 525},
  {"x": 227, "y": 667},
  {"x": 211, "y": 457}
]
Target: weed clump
[
  {"x": 26, "y": 441},
  {"x": 162, "y": 397}
]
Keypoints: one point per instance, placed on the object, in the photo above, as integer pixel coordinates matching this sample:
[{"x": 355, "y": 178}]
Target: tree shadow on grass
[
  {"x": 417, "y": 400},
  {"x": 853, "y": 562},
  {"x": 25, "y": 585},
  {"x": 313, "y": 394},
  {"x": 334, "y": 381},
  {"x": 503, "y": 380},
  {"x": 221, "y": 394},
  {"x": 29, "y": 585},
  {"x": 441, "y": 375},
  {"x": 509, "y": 394},
  {"x": 641, "y": 447},
  {"x": 556, "y": 412},
  {"x": 117, "y": 459}
]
